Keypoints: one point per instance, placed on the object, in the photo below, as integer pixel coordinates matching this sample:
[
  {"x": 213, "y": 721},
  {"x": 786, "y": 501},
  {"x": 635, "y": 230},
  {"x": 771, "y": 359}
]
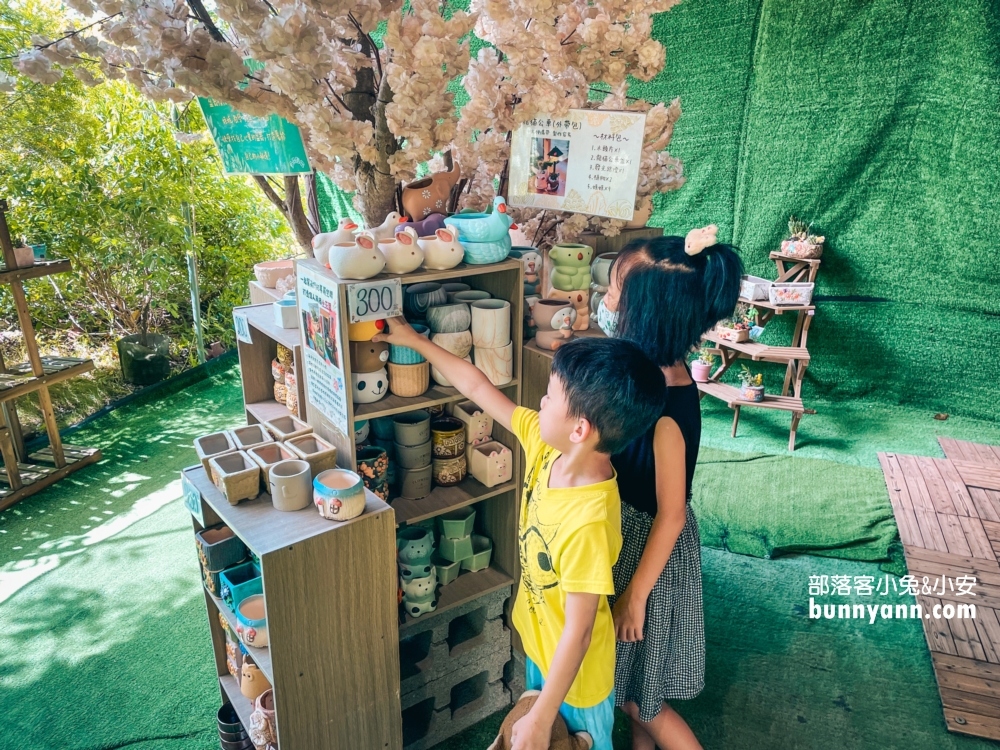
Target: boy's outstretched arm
[
  {"x": 470, "y": 381},
  {"x": 534, "y": 730}
]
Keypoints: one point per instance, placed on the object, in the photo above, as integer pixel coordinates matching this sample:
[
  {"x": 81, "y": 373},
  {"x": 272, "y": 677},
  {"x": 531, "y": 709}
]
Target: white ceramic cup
[
  {"x": 290, "y": 484},
  {"x": 498, "y": 363},
  {"x": 490, "y": 323}
]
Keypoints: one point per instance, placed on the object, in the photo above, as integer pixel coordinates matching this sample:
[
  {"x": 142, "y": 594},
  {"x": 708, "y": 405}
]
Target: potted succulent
[
  {"x": 801, "y": 242},
  {"x": 701, "y": 368},
  {"x": 736, "y": 327},
  {"x": 751, "y": 385}
]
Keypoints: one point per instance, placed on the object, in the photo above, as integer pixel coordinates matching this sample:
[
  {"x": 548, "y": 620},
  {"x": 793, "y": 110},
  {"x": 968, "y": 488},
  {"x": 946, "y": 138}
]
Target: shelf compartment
[
  {"x": 261, "y": 656},
  {"x": 18, "y": 381},
  {"x": 760, "y": 352},
  {"x": 433, "y": 396},
  {"x": 263, "y": 528},
  {"x": 443, "y": 499},
  {"x": 243, "y": 706},
  {"x": 265, "y": 411},
  {"x": 589, "y": 333},
  {"x": 465, "y": 588},
  {"x": 731, "y": 395},
  {"x": 261, "y": 317},
  {"x": 39, "y": 269}
]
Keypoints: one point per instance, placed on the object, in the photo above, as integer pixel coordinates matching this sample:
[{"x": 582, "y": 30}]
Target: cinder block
[
  {"x": 513, "y": 675},
  {"x": 438, "y": 624},
  {"x": 423, "y": 727},
  {"x": 421, "y": 663},
  {"x": 486, "y": 666}
]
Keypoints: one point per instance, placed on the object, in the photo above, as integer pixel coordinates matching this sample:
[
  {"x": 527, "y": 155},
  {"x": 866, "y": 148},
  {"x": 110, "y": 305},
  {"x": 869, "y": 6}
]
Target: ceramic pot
[
  {"x": 453, "y": 287},
  {"x": 754, "y": 393},
  {"x": 600, "y": 271},
  {"x": 429, "y": 194},
  {"x": 570, "y": 266},
  {"x": 285, "y": 356},
  {"x": 449, "y": 471},
  {"x": 472, "y": 295},
  {"x": 450, "y": 317},
  {"x": 267, "y": 455},
  {"x": 339, "y": 494},
  {"x": 481, "y": 227},
  {"x": 448, "y": 437},
  {"x": 412, "y": 428},
  {"x": 239, "y": 582},
  {"x": 457, "y": 524},
  {"x": 381, "y": 491},
  {"x": 482, "y": 253},
  {"x": 551, "y": 314},
  {"x": 236, "y": 475},
  {"x": 219, "y": 548},
  {"x": 418, "y": 297},
  {"x": 286, "y": 313},
  {"x": 383, "y": 427},
  {"x": 215, "y": 444},
  {"x": 420, "y": 595},
  {"x": 419, "y": 570},
  {"x": 280, "y": 392},
  {"x": 482, "y": 551},
  {"x": 368, "y": 356},
  {"x": 404, "y": 355},
  {"x": 291, "y": 393},
  {"x": 360, "y": 259},
  {"x": 251, "y": 622},
  {"x": 415, "y": 483},
  {"x": 424, "y": 227},
  {"x": 364, "y": 331},
  {"x": 701, "y": 371},
  {"x": 642, "y": 213},
  {"x": 249, "y": 436},
  {"x": 269, "y": 272},
  {"x": 456, "y": 550},
  {"x": 441, "y": 250},
  {"x": 459, "y": 344},
  {"x": 289, "y": 484},
  {"x": 497, "y": 364},
  {"x": 478, "y": 424},
  {"x": 446, "y": 570},
  {"x": 402, "y": 253},
  {"x": 320, "y": 454},
  {"x": 252, "y": 683},
  {"x": 414, "y": 545},
  {"x": 552, "y": 340},
  {"x": 409, "y": 381},
  {"x": 490, "y": 323},
  {"x": 228, "y": 719},
  {"x": 286, "y": 428},
  {"x": 438, "y": 377},
  {"x": 387, "y": 228},
  {"x": 277, "y": 371},
  {"x": 413, "y": 456},
  {"x": 369, "y": 387},
  {"x": 361, "y": 431},
  {"x": 373, "y": 463},
  {"x": 492, "y": 463},
  {"x": 263, "y": 730},
  {"x": 579, "y": 299}
]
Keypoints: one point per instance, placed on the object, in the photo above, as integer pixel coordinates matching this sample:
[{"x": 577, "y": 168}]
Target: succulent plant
[{"x": 749, "y": 378}]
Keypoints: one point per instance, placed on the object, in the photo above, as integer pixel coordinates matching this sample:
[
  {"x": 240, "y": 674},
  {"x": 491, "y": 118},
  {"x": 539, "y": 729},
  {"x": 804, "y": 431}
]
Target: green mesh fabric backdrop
[{"x": 878, "y": 120}]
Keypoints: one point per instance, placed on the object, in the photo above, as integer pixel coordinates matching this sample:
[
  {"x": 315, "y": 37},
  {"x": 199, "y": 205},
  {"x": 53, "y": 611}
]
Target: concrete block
[
  {"x": 421, "y": 663},
  {"x": 513, "y": 675},
  {"x": 423, "y": 728},
  {"x": 484, "y": 667}
]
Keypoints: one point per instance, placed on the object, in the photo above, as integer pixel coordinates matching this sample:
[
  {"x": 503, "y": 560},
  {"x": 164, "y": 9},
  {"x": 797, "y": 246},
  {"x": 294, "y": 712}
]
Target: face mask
[{"x": 607, "y": 320}]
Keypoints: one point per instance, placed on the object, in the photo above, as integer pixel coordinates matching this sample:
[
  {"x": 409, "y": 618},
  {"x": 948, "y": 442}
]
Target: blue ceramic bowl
[
  {"x": 339, "y": 494},
  {"x": 478, "y": 228},
  {"x": 404, "y": 355},
  {"x": 252, "y": 630},
  {"x": 481, "y": 253},
  {"x": 240, "y": 582},
  {"x": 418, "y": 297}
]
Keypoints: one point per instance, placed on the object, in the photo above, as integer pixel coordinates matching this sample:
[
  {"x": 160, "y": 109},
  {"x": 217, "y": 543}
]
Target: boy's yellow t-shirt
[{"x": 568, "y": 540}]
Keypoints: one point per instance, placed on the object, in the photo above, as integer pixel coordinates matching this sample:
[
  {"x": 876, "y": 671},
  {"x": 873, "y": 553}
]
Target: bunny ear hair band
[{"x": 700, "y": 238}]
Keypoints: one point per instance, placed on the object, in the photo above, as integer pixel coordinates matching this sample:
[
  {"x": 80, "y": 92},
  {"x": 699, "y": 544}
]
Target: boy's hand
[
  {"x": 531, "y": 732},
  {"x": 630, "y": 616},
  {"x": 397, "y": 332}
]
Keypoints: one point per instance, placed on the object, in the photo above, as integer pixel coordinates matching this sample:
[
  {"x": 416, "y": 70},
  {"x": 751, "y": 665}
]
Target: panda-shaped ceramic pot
[{"x": 369, "y": 387}]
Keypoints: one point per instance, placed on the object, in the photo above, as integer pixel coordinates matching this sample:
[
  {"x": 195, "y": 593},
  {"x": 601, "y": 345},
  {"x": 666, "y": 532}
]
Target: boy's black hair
[
  {"x": 669, "y": 298},
  {"x": 613, "y": 385}
]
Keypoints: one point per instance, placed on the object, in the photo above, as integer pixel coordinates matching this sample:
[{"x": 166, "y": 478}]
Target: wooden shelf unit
[
  {"x": 255, "y": 364},
  {"x": 23, "y": 475}
]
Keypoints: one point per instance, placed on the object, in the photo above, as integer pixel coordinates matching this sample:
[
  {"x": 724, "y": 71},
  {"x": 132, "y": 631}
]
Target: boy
[{"x": 601, "y": 394}]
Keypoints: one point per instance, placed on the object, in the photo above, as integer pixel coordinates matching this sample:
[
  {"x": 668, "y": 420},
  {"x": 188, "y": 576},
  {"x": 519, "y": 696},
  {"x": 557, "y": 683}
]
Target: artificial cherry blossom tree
[{"x": 370, "y": 112}]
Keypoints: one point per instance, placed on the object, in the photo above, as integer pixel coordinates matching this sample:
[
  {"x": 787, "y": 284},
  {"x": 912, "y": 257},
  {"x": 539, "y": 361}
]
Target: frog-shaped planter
[{"x": 571, "y": 267}]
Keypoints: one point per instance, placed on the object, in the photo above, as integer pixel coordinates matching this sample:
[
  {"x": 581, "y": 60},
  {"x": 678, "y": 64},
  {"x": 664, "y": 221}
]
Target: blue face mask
[{"x": 607, "y": 320}]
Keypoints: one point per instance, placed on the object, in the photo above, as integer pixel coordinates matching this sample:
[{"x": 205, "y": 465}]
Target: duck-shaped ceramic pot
[
  {"x": 441, "y": 250},
  {"x": 402, "y": 253},
  {"x": 360, "y": 259},
  {"x": 480, "y": 227},
  {"x": 387, "y": 228},
  {"x": 323, "y": 243}
]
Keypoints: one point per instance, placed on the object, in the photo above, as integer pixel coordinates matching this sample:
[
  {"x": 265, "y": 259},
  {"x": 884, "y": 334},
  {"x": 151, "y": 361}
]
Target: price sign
[
  {"x": 375, "y": 300},
  {"x": 192, "y": 499},
  {"x": 242, "y": 326}
]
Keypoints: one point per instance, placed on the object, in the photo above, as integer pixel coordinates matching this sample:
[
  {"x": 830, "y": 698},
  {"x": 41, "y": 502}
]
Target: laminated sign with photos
[{"x": 586, "y": 162}]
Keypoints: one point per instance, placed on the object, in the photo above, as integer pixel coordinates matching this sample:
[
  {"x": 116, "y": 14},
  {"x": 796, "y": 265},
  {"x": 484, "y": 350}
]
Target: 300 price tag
[
  {"x": 375, "y": 300},
  {"x": 242, "y": 326}
]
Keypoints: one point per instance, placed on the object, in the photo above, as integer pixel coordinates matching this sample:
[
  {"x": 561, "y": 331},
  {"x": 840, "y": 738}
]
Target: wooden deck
[{"x": 948, "y": 513}]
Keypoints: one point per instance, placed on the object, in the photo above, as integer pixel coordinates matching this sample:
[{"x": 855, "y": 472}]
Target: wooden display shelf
[
  {"x": 39, "y": 269},
  {"x": 15, "y": 386},
  {"x": 265, "y": 411},
  {"x": 776, "y": 309},
  {"x": 260, "y": 294},
  {"x": 443, "y": 499},
  {"x": 589, "y": 333},
  {"x": 465, "y": 588},
  {"x": 255, "y": 364},
  {"x": 731, "y": 395},
  {"x": 761, "y": 352},
  {"x": 261, "y": 317},
  {"x": 241, "y": 704},
  {"x": 42, "y": 473},
  {"x": 436, "y": 395},
  {"x": 261, "y": 656}
]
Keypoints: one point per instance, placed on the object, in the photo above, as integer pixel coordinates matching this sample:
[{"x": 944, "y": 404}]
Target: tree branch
[
  {"x": 272, "y": 196},
  {"x": 198, "y": 8}
]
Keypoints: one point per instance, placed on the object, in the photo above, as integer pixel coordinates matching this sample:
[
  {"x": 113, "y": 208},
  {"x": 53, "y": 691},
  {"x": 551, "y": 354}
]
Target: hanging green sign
[{"x": 254, "y": 145}]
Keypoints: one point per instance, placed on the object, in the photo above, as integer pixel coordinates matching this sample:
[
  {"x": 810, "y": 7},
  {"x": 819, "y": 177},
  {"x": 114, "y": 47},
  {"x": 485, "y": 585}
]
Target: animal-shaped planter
[
  {"x": 369, "y": 387},
  {"x": 402, "y": 253},
  {"x": 560, "y": 739},
  {"x": 430, "y": 194},
  {"x": 570, "y": 267},
  {"x": 554, "y": 320},
  {"x": 531, "y": 259},
  {"x": 360, "y": 259},
  {"x": 441, "y": 250},
  {"x": 322, "y": 244},
  {"x": 423, "y": 228},
  {"x": 479, "y": 227},
  {"x": 419, "y": 595},
  {"x": 478, "y": 424},
  {"x": 580, "y": 300},
  {"x": 414, "y": 545},
  {"x": 492, "y": 463},
  {"x": 387, "y": 228}
]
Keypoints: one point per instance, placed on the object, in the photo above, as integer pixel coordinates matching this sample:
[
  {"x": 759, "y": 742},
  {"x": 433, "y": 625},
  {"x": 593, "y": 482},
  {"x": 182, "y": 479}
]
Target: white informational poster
[
  {"x": 586, "y": 162},
  {"x": 323, "y": 351}
]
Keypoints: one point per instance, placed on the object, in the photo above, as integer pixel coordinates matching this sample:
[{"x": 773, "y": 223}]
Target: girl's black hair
[{"x": 669, "y": 298}]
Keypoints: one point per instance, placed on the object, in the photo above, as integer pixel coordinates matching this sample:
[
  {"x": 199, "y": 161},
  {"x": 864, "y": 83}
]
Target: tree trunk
[
  {"x": 292, "y": 208},
  {"x": 376, "y": 186}
]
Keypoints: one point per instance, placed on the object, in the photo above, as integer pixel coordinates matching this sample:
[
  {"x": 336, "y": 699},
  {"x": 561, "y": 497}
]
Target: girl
[{"x": 663, "y": 295}]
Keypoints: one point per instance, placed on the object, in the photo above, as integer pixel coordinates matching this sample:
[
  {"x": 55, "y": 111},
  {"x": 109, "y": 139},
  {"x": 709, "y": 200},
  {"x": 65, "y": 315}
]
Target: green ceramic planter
[
  {"x": 458, "y": 523},
  {"x": 482, "y": 551},
  {"x": 456, "y": 550},
  {"x": 447, "y": 571}
]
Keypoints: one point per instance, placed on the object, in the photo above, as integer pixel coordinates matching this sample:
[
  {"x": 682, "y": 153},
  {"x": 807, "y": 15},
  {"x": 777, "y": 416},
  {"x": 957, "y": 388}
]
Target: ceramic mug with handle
[{"x": 290, "y": 484}]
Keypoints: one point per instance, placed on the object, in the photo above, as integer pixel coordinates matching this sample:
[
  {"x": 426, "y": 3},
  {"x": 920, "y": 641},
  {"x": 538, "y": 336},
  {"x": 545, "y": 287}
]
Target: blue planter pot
[
  {"x": 404, "y": 355},
  {"x": 481, "y": 253},
  {"x": 478, "y": 227},
  {"x": 240, "y": 582}
]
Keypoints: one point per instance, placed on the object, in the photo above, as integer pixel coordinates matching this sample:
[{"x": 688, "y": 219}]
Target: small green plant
[
  {"x": 742, "y": 319},
  {"x": 706, "y": 356},
  {"x": 801, "y": 231},
  {"x": 749, "y": 378}
]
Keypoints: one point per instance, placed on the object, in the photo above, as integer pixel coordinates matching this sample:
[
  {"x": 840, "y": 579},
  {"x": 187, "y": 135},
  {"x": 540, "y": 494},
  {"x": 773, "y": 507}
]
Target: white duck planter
[
  {"x": 323, "y": 243},
  {"x": 402, "y": 253},
  {"x": 387, "y": 228},
  {"x": 360, "y": 259},
  {"x": 441, "y": 250}
]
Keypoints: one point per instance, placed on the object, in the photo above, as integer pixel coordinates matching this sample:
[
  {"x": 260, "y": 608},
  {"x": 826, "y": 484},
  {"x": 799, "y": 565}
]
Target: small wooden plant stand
[
  {"x": 795, "y": 357},
  {"x": 23, "y": 474}
]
